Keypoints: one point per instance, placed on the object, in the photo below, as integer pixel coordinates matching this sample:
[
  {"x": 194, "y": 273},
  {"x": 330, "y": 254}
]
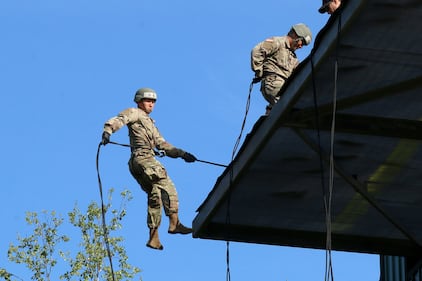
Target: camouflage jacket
[
  {"x": 144, "y": 135},
  {"x": 275, "y": 56}
]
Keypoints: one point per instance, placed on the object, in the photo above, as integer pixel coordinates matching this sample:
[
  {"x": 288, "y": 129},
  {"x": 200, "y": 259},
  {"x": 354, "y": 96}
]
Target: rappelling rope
[
  {"x": 103, "y": 211},
  {"x": 329, "y": 262},
  {"x": 329, "y": 267},
  {"x": 248, "y": 102},
  {"x": 327, "y": 198}
]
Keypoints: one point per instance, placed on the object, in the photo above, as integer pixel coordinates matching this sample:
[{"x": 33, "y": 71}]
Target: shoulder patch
[{"x": 271, "y": 39}]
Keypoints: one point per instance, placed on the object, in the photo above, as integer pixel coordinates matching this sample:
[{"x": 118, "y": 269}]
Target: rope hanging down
[
  {"x": 103, "y": 211},
  {"x": 327, "y": 196},
  {"x": 248, "y": 102}
]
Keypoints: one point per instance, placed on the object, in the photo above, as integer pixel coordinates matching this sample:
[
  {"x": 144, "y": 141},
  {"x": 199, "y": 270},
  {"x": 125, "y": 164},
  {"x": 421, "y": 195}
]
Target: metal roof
[{"x": 359, "y": 93}]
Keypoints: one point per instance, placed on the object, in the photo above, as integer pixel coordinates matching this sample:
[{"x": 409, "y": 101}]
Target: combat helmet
[
  {"x": 144, "y": 93},
  {"x": 303, "y": 32}
]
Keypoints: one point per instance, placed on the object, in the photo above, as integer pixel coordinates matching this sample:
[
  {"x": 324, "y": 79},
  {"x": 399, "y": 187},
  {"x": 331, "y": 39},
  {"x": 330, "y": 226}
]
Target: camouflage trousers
[
  {"x": 270, "y": 88},
  {"x": 153, "y": 179}
]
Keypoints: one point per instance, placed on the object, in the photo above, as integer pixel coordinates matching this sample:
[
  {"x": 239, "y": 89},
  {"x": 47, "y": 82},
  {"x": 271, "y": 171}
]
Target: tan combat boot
[
  {"x": 154, "y": 240},
  {"x": 175, "y": 226}
]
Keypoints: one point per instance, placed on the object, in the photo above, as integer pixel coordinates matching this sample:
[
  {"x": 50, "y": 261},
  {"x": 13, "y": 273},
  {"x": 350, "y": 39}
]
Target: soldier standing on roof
[
  {"x": 148, "y": 172},
  {"x": 274, "y": 60}
]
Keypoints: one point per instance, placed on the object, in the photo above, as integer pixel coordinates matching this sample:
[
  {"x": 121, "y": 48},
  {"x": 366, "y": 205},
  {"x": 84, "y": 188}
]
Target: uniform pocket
[{"x": 155, "y": 173}]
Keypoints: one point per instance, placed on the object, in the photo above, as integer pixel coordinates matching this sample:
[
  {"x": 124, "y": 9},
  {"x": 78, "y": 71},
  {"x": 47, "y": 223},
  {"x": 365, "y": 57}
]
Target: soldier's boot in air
[
  {"x": 175, "y": 226},
  {"x": 154, "y": 240}
]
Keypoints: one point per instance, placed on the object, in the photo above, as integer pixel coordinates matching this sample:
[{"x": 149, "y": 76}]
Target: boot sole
[
  {"x": 178, "y": 232},
  {"x": 155, "y": 248}
]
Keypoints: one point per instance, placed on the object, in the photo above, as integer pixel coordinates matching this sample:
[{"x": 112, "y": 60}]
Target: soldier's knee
[{"x": 154, "y": 201}]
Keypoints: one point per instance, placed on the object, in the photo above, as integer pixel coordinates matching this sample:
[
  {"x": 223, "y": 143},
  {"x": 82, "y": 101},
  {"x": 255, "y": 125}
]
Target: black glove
[
  {"x": 188, "y": 157},
  {"x": 256, "y": 80},
  {"x": 105, "y": 138},
  {"x": 258, "y": 76}
]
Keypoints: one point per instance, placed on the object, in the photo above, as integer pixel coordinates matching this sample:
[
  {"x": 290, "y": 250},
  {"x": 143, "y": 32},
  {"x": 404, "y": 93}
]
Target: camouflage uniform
[
  {"x": 273, "y": 61},
  {"x": 148, "y": 172}
]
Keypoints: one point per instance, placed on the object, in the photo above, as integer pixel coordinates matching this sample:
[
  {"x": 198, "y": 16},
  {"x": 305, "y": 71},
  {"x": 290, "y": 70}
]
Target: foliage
[
  {"x": 89, "y": 264},
  {"x": 40, "y": 250},
  {"x": 7, "y": 275},
  {"x": 37, "y": 251}
]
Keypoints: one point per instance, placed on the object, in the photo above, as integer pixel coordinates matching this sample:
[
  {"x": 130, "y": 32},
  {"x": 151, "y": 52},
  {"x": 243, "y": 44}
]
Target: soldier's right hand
[
  {"x": 105, "y": 139},
  {"x": 189, "y": 157}
]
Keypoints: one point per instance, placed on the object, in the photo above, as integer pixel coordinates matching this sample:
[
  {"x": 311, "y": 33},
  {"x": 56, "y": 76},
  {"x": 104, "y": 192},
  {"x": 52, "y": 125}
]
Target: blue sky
[{"x": 68, "y": 66}]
